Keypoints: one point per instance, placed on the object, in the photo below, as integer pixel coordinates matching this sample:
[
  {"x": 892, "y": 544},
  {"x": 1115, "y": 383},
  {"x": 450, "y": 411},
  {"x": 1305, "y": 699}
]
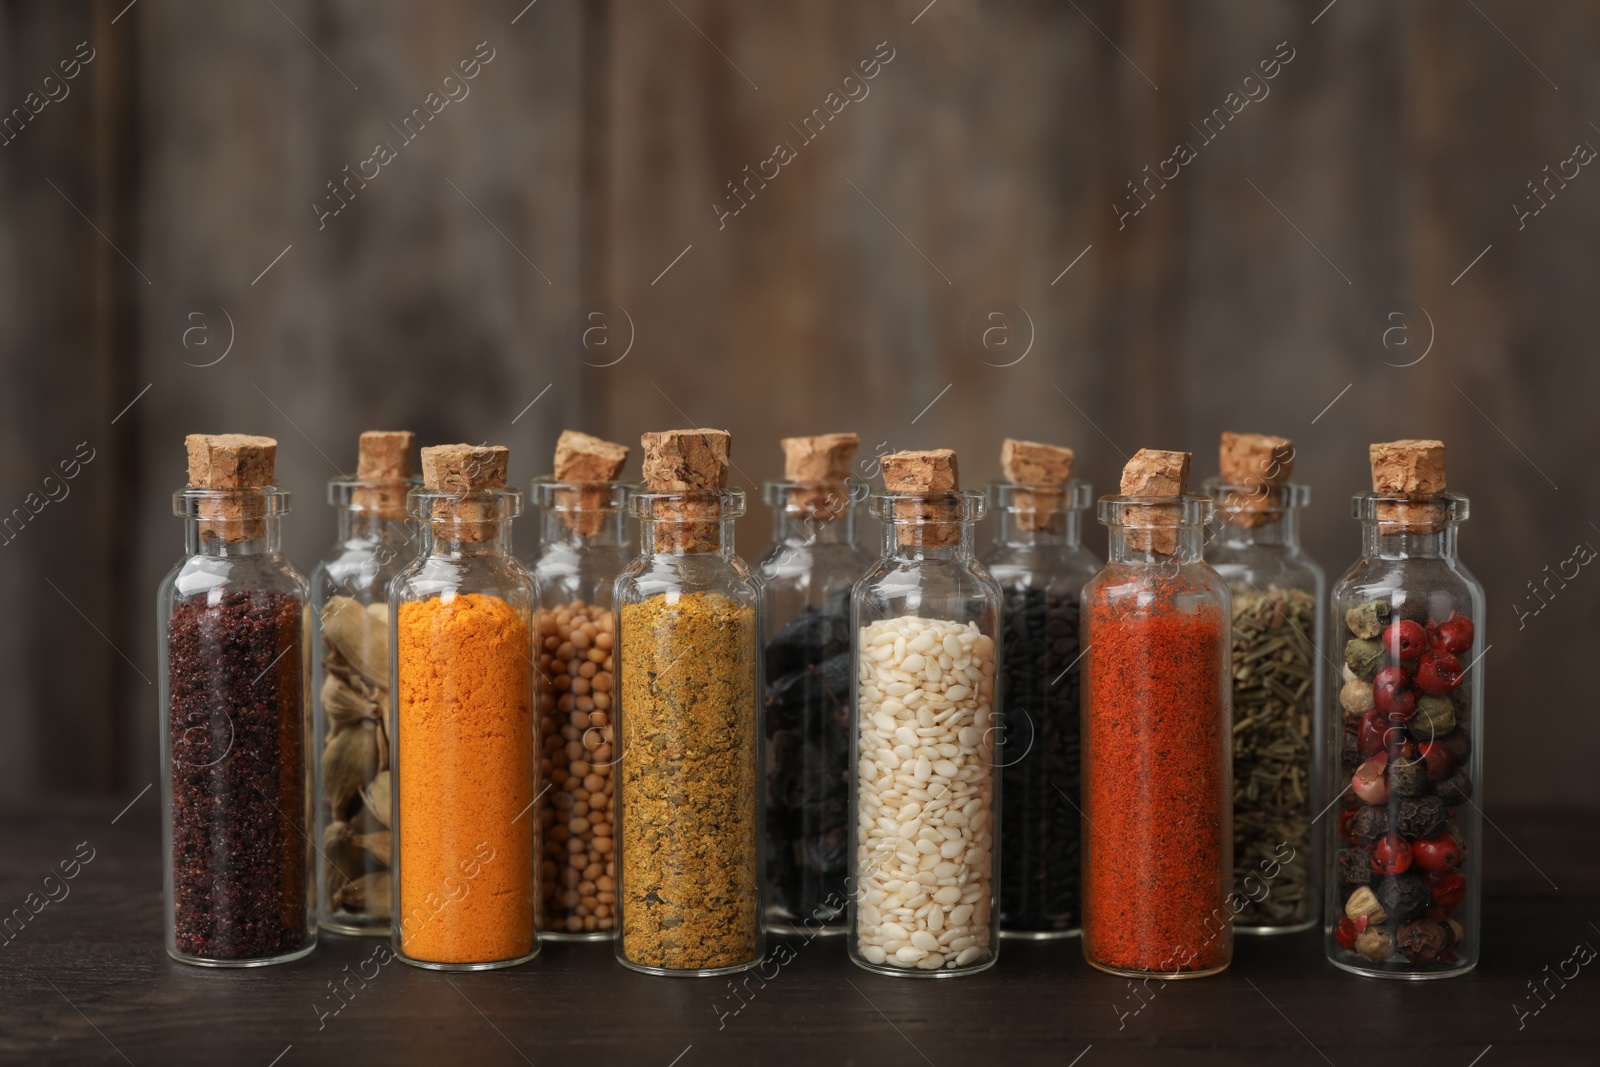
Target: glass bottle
[
  {"x": 1157, "y": 750},
  {"x": 1278, "y": 685},
  {"x": 805, "y": 580},
  {"x": 461, "y": 616},
  {"x": 924, "y": 769},
  {"x": 235, "y": 788},
  {"x": 689, "y": 800},
  {"x": 352, "y": 727},
  {"x": 1040, "y": 563},
  {"x": 1405, "y": 883},
  {"x": 582, "y": 549}
]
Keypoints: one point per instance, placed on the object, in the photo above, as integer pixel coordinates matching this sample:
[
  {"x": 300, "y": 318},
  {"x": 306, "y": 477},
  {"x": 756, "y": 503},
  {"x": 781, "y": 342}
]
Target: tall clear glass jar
[
  {"x": 1278, "y": 690},
  {"x": 352, "y": 727},
  {"x": 805, "y": 579},
  {"x": 1157, "y": 748},
  {"x": 925, "y": 765},
  {"x": 689, "y": 799},
  {"x": 462, "y": 613},
  {"x": 1040, "y": 563},
  {"x": 583, "y": 546},
  {"x": 235, "y": 786},
  {"x": 1405, "y": 881}
]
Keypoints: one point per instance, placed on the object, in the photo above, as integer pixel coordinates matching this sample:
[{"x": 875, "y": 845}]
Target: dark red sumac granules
[{"x": 238, "y": 776}]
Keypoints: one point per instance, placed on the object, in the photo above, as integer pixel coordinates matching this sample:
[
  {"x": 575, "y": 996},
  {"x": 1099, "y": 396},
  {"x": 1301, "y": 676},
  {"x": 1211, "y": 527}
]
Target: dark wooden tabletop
[{"x": 86, "y": 982}]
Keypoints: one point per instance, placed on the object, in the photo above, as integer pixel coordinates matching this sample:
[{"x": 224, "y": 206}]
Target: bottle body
[
  {"x": 1279, "y": 689},
  {"x": 581, "y": 552},
  {"x": 235, "y": 782},
  {"x": 925, "y": 762},
  {"x": 1157, "y": 782},
  {"x": 805, "y": 579},
  {"x": 1041, "y": 566},
  {"x": 352, "y": 723},
  {"x": 461, "y": 616},
  {"x": 1405, "y": 892},
  {"x": 689, "y": 795}
]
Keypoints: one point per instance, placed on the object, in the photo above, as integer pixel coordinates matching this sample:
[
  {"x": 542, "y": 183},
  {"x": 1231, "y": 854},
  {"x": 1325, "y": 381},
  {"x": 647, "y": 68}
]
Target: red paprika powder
[{"x": 1157, "y": 743}]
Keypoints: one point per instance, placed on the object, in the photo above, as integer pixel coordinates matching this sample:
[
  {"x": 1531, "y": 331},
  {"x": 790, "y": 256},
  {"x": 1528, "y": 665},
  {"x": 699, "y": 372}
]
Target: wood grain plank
[
  {"x": 100, "y": 947},
  {"x": 64, "y": 321}
]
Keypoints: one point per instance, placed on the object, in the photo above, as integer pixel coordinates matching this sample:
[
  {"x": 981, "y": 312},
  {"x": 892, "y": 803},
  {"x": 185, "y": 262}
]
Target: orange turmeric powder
[{"x": 465, "y": 758}]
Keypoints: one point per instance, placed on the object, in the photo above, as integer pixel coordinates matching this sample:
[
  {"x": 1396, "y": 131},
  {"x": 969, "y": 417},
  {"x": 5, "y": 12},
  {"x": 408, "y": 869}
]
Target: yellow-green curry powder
[{"x": 689, "y": 782}]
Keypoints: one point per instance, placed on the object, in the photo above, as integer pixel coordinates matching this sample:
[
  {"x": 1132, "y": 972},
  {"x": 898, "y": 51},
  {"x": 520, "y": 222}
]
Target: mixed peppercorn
[{"x": 1406, "y": 747}]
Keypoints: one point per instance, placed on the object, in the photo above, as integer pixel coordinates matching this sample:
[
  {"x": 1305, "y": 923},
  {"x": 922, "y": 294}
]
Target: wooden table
[{"x": 86, "y": 982}]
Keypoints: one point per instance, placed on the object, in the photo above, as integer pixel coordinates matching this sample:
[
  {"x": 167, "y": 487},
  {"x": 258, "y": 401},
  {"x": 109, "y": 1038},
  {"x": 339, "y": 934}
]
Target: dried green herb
[{"x": 1274, "y": 678}]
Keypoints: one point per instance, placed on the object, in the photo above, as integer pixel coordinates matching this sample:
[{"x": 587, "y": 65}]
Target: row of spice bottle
[{"x": 885, "y": 822}]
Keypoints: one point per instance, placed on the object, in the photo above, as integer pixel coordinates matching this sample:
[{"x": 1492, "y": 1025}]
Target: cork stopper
[
  {"x": 682, "y": 461},
  {"x": 460, "y": 470},
  {"x": 594, "y": 464},
  {"x": 1044, "y": 469},
  {"x": 1259, "y": 465},
  {"x": 1409, "y": 468},
  {"x": 581, "y": 458},
  {"x": 1402, "y": 468},
  {"x": 231, "y": 461},
  {"x": 1152, "y": 473},
  {"x": 933, "y": 471},
  {"x": 924, "y": 522},
  {"x": 821, "y": 466},
  {"x": 384, "y": 464}
]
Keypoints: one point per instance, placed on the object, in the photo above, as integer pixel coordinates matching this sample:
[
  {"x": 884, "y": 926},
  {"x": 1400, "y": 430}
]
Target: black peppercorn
[
  {"x": 808, "y": 732},
  {"x": 1422, "y": 941},
  {"x": 1369, "y": 824},
  {"x": 1355, "y": 866},
  {"x": 1350, "y": 755},
  {"x": 1421, "y": 817},
  {"x": 1458, "y": 743},
  {"x": 811, "y": 637},
  {"x": 1408, "y": 778},
  {"x": 1456, "y": 789},
  {"x": 1040, "y": 838},
  {"x": 1413, "y": 608},
  {"x": 1404, "y": 896}
]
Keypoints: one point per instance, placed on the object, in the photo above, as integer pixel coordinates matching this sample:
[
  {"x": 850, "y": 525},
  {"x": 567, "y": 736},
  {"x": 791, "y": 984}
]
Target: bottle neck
[
  {"x": 1154, "y": 545},
  {"x": 928, "y": 541},
  {"x": 1062, "y": 528},
  {"x": 597, "y": 528},
  {"x": 678, "y": 537},
  {"x": 466, "y": 540},
  {"x": 369, "y": 526},
  {"x": 1280, "y": 529},
  {"x": 801, "y": 526},
  {"x": 1390, "y": 540},
  {"x": 212, "y": 538}
]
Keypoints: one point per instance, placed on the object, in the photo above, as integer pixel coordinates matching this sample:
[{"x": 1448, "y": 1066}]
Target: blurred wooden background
[{"x": 161, "y": 207}]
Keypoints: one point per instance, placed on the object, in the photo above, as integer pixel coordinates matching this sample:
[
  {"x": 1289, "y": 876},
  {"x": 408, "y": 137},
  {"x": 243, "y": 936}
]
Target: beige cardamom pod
[
  {"x": 360, "y": 639},
  {"x": 379, "y": 844},
  {"x": 349, "y": 761},
  {"x": 344, "y": 705},
  {"x": 376, "y": 796},
  {"x": 371, "y": 894},
  {"x": 345, "y": 858}
]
